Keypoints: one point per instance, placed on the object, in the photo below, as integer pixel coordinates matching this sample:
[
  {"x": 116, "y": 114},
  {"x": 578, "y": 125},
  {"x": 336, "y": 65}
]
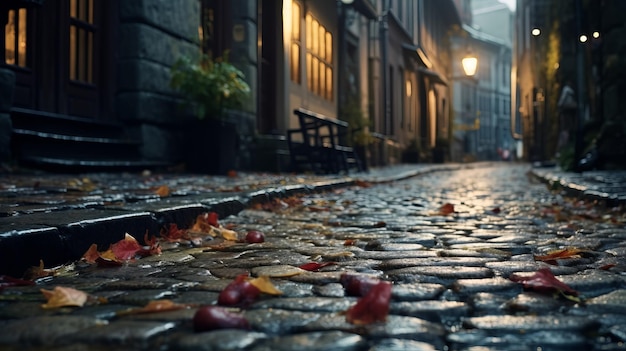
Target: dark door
[
  {"x": 270, "y": 27},
  {"x": 62, "y": 54}
]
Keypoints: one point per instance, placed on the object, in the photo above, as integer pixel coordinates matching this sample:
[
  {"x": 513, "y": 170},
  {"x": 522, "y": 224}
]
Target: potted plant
[
  {"x": 360, "y": 135},
  {"x": 210, "y": 86}
]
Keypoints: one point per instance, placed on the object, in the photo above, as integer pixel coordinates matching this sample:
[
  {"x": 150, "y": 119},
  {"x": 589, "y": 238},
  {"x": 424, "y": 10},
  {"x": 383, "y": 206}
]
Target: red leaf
[
  {"x": 212, "y": 219},
  {"x": 373, "y": 307},
  {"x": 126, "y": 248},
  {"x": 174, "y": 234},
  {"x": 7, "y": 281},
  {"x": 240, "y": 292},
  {"x": 446, "y": 209},
  {"x": 357, "y": 285},
  {"x": 314, "y": 266},
  {"x": 543, "y": 281}
]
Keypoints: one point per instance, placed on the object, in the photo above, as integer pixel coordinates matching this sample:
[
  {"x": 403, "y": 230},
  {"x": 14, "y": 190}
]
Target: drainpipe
[{"x": 384, "y": 28}]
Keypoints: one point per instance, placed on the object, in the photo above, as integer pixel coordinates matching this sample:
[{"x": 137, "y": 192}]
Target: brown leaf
[
  {"x": 544, "y": 281},
  {"x": 155, "y": 306},
  {"x": 265, "y": 285},
  {"x": 552, "y": 256},
  {"x": 37, "y": 272},
  {"x": 62, "y": 296}
]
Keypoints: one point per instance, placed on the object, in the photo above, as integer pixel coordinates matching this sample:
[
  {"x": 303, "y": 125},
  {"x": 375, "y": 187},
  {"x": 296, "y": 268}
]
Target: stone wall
[
  {"x": 152, "y": 35},
  {"x": 7, "y": 85}
]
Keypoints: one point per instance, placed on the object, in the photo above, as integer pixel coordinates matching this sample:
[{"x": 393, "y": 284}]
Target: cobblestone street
[{"x": 448, "y": 241}]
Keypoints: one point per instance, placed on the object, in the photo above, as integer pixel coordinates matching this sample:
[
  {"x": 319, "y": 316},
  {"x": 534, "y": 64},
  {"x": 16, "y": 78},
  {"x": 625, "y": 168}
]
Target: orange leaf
[
  {"x": 62, "y": 296},
  {"x": 36, "y": 272},
  {"x": 264, "y": 284},
  {"x": 126, "y": 248},
  {"x": 552, "y": 256},
  {"x": 373, "y": 307},
  {"x": 163, "y": 191},
  {"x": 92, "y": 254},
  {"x": 446, "y": 209},
  {"x": 154, "y": 307}
]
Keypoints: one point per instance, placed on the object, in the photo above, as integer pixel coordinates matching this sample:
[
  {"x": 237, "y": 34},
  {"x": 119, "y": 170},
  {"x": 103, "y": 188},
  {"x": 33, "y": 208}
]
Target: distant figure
[{"x": 567, "y": 112}]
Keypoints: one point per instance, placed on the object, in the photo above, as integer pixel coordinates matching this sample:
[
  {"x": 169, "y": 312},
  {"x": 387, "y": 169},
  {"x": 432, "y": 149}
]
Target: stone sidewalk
[{"x": 55, "y": 217}]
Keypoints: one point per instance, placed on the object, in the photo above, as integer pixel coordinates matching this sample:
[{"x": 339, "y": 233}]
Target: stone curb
[{"x": 557, "y": 180}]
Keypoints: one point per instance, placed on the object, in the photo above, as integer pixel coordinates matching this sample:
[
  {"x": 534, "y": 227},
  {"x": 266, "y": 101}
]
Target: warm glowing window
[
  {"x": 296, "y": 43},
  {"x": 319, "y": 58},
  {"x": 82, "y": 31},
  {"x": 15, "y": 38}
]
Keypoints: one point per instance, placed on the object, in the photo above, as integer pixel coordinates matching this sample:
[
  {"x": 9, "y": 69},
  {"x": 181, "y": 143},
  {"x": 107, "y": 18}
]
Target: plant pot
[{"x": 212, "y": 147}]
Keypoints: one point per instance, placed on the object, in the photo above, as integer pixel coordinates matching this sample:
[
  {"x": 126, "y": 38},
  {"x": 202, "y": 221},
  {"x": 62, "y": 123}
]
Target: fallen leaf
[
  {"x": 265, "y": 285},
  {"x": 37, "y": 272},
  {"x": 163, "y": 191},
  {"x": 555, "y": 255},
  {"x": 544, "y": 281},
  {"x": 373, "y": 307},
  {"x": 126, "y": 249},
  {"x": 8, "y": 281},
  {"x": 174, "y": 234},
  {"x": 155, "y": 306},
  {"x": 229, "y": 234},
  {"x": 62, "y": 296},
  {"x": 446, "y": 209},
  {"x": 92, "y": 254},
  {"x": 315, "y": 266}
]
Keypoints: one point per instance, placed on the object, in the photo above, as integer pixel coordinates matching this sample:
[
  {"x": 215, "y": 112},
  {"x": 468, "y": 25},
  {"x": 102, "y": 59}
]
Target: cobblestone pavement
[{"x": 448, "y": 241}]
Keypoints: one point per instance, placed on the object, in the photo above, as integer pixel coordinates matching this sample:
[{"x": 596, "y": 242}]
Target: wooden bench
[{"x": 318, "y": 144}]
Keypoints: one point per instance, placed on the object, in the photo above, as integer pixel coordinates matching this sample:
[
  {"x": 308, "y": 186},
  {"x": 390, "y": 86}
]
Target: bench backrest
[{"x": 319, "y": 130}]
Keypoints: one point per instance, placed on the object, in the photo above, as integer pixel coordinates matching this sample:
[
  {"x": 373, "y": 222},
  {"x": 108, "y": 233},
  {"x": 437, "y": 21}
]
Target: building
[
  {"x": 577, "y": 41},
  {"x": 482, "y": 102},
  {"x": 90, "y": 78}
]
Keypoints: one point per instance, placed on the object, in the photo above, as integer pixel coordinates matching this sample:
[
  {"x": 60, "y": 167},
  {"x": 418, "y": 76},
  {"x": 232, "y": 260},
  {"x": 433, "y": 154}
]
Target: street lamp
[{"x": 470, "y": 63}]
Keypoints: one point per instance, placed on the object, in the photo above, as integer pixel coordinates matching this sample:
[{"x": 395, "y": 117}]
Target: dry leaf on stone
[
  {"x": 63, "y": 296},
  {"x": 265, "y": 285},
  {"x": 155, "y": 306},
  {"x": 373, "y": 307}
]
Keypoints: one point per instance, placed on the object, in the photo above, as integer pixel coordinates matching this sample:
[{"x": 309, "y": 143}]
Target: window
[
  {"x": 296, "y": 44},
  {"x": 15, "y": 38},
  {"x": 82, "y": 31},
  {"x": 319, "y": 58}
]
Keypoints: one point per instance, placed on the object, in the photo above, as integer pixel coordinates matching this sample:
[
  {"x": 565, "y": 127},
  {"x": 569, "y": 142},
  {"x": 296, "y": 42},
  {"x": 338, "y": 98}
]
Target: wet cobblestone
[{"x": 450, "y": 274}]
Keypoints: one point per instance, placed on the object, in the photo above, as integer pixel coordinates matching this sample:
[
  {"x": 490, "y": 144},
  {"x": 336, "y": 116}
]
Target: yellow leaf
[
  {"x": 264, "y": 284},
  {"x": 62, "y": 296},
  {"x": 229, "y": 234},
  {"x": 108, "y": 255}
]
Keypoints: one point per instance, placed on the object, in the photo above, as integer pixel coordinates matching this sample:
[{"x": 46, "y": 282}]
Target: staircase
[{"x": 63, "y": 143}]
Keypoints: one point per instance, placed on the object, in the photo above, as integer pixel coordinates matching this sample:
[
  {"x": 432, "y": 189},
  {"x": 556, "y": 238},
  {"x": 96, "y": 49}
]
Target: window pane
[
  {"x": 314, "y": 37},
  {"x": 295, "y": 63},
  {"x": 295, "y": 21},
  {"x": 316, "y": 75},
  {"x": 90, "y": 57},
  {"x": 309, "y": 71},
  {"x": 322, "y": 80},
  {"x": 308, "y": 32},
  {"x": 73, "y": 54},
  {"x": 329, "y": 83},
  {"x": 73, "y": 9},
  {"x": 9, "y": 39},
  {"x": 329, "y": 47},
  {"x": 21, "y": 38},
  {"x": 82, "y": 69}
]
